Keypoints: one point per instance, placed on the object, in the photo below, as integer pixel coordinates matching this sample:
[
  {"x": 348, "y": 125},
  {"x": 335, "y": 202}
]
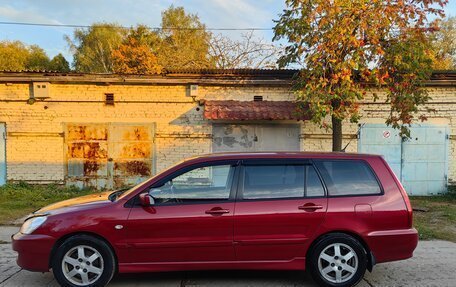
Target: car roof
[{"x": 279, "y": 155}]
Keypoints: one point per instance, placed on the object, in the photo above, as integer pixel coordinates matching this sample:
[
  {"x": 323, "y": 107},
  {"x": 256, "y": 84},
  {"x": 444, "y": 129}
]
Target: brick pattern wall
[{"x": 35, "y": 133}]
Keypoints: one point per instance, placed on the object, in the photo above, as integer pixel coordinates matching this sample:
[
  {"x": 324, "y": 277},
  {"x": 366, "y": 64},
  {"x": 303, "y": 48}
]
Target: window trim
[
  {"x": 266, "y": 162},
  {"x": 363, "y": 161},
  {"x": 232, "y": 195}
]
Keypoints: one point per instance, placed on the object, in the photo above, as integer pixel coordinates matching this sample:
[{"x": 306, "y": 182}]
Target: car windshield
[
  {"x": 115, "y": 194},
  {"x": 133, "y": 189}
]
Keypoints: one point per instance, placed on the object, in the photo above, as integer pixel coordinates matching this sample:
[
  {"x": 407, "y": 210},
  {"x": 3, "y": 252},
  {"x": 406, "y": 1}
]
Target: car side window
[
  {"x": 314, "y": 186},
  {"x": 273, "y": 181},
  {"x": 348, "y": 177},
  {"x": 209, "y": 183}
]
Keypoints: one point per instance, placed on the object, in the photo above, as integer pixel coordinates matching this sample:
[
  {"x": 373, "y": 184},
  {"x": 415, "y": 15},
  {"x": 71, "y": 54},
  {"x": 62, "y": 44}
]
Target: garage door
[
  {"x": 421, "y": 162},
  {"x": 108, "y": 155},
  {"x": 250, "y": 138}
]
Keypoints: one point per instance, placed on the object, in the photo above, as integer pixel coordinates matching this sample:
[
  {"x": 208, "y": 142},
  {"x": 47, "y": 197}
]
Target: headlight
[{"x": 32, "y": 224}]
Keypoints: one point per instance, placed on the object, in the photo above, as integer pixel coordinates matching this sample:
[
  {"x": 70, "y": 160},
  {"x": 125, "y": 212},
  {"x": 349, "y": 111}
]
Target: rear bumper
[
  {"x": 33, "y": 251},
  {"x": 392, "y": 245}
]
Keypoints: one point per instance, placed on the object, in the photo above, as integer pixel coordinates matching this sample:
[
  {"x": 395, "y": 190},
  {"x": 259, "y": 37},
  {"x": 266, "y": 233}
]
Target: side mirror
[{"x": 146, "y": 199}]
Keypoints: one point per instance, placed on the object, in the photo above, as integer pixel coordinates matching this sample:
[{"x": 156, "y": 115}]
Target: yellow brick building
[{"x": 112, "y": 130}]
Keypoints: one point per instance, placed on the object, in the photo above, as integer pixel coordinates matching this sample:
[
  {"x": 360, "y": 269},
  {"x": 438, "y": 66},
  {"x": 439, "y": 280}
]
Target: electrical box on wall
[
  {"x": 40, "y": 90},
  {"x": 193, "y": 90}
]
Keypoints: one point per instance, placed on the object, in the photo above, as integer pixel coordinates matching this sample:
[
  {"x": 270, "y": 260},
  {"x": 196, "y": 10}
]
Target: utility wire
[{"x": 154, "y": 28}]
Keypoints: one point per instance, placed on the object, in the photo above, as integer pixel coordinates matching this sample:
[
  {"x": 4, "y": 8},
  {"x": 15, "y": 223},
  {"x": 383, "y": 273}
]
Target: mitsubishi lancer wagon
[{"x": 335, "y": 215}]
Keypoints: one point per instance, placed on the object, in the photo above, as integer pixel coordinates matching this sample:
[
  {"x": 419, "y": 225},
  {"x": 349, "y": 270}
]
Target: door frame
[{"x": 3, "y": 155}]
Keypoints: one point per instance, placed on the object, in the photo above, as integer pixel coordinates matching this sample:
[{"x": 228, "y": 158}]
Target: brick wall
[{"x": 35, "y": 133}]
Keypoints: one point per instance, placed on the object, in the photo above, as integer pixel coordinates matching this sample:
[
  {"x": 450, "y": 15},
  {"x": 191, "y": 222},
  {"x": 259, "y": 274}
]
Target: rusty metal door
[
  {"x": 108, "y": 155},
  {"x": 249, "y": 138},
  {"x": 130, "y": 154}
]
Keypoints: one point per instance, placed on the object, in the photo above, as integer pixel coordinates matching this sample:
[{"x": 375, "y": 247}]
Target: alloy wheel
[
  {"x": 337, "y": 263},
  {"x": 82, "y": 265}
]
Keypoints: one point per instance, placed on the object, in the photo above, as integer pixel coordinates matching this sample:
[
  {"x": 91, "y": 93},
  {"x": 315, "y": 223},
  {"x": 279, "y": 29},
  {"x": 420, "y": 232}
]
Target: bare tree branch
[{"x": 248, "y": 52}]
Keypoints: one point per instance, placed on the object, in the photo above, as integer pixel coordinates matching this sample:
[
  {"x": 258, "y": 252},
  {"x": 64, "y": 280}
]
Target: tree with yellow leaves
[
  {"x": 134, "y": 57},
  {"x": 346, "y": 46}
]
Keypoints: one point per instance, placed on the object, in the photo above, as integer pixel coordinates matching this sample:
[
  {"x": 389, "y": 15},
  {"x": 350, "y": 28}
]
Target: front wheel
[
  {"x": 83, "y": 261},
  {"x": 337, "y": 260}
]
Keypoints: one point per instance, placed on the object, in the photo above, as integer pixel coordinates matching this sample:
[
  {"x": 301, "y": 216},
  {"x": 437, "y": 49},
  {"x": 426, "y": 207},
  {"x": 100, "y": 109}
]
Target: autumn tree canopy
[
  {"x": 184, "y": 40},
  {"x": 92, "y": 47},
  {"x": 444, "y": 45},
  {"x": 17, "y": 56},
  {"x": 346, "y": 46},
  {"x": 135, "y": 55}
]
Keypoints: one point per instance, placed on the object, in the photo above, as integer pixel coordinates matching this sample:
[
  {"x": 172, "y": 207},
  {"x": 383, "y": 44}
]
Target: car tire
[
  {"x": 337, "y": 260},
  {"x": 83, "y": 260}
]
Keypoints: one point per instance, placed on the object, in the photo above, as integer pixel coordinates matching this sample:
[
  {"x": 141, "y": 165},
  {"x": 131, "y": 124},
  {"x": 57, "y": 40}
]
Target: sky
[{"x": 213, "y": 13}]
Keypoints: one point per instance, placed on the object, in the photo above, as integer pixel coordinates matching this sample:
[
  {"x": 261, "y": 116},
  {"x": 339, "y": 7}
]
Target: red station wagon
[{"x": 334, "y": 214}]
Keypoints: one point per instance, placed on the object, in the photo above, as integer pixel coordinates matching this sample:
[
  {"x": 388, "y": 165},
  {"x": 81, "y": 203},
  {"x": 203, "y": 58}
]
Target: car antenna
[{"x": 357, "y": 133}]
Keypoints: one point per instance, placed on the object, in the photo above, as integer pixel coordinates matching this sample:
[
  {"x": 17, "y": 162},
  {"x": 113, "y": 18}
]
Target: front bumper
[
  {"x": 392, "y": 245},
  {"x": 33, "y": 250}
]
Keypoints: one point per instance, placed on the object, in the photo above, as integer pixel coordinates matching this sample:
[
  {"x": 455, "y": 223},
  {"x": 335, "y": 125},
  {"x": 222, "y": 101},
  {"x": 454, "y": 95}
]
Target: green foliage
[
  {"x": 37, "y": 59},
  {"x": 346, "y": 46},
  {"x": 92, "y": 48},
  {"x": 182, "y": 43},
  {"x": 59, "y": 63},
  {"x": 13, "y": 55},
  {"x": 186, "y": 46},
  {"x": 20, "y": 199},
  {"x": 17, "y": 56}
]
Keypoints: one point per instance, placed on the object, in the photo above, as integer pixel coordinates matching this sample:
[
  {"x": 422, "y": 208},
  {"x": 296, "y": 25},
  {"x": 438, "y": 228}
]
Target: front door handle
[
  {"x": 310, "y": 207},
  {"x": 217, "y": 211}
]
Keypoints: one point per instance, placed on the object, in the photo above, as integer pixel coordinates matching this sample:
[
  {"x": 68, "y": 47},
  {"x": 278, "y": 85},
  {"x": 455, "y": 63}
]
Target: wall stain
[
  {"x": 83, "y": 132},
  {"x": 136, "y": 150},
  {"x": 134, "y": 167},
  {"x": 136, "y": 134},
  {"x": 91, "y": 167}
]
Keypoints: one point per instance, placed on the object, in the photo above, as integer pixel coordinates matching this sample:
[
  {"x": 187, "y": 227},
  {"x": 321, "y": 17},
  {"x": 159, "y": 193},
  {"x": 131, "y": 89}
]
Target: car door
[
  {"x": 191, "y": 219},
  {"x": 279, "y": 206}
]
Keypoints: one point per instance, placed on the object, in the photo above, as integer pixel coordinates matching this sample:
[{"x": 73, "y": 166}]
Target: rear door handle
[
  {"x": 217, "y": 211},
  {"x": 310, "y": 207}
]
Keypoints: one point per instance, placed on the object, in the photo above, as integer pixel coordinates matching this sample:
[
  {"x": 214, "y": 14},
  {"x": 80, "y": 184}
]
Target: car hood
[{"x": 86, "y": 201}]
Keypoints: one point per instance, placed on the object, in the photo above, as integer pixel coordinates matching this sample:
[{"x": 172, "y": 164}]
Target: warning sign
[{"x": 386, "y": 134}]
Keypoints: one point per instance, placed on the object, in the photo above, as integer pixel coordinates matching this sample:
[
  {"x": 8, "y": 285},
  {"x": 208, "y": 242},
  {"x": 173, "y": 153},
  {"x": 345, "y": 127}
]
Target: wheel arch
[
  {"x": 370, "y": 256},
  {"x": 62, "y": 239}
]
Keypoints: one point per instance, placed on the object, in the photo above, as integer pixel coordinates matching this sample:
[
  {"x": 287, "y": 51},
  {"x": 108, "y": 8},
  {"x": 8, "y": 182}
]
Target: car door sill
[{"x": 294, "y": 264}]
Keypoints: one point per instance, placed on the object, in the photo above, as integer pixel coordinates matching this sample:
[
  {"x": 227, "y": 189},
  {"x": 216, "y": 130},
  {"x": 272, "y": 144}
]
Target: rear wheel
[
  {"x": 83, "y": 261},
  {"x": 337, "y": 260}
]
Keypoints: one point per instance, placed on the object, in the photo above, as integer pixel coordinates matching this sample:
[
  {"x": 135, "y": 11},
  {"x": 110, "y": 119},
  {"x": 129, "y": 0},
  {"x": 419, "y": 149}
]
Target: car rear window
[{"x": 348, "y": 177}]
